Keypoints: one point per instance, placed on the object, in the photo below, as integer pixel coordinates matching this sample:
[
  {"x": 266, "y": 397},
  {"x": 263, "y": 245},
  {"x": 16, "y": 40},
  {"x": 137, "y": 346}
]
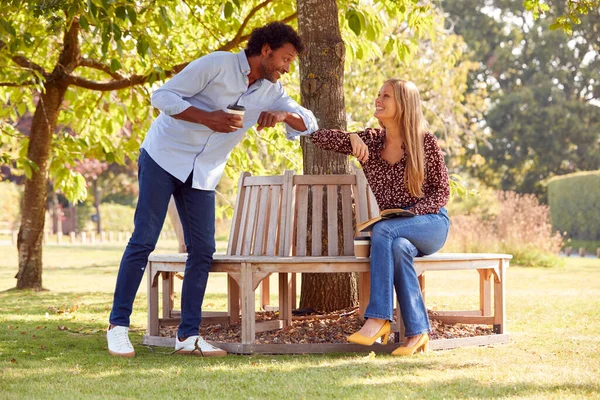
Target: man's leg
[
  {"x": 155, "y": 186},
  {"x": 197, "y": 213}
]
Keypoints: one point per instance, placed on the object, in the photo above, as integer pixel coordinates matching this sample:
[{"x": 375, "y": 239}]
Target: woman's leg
[{"x": 394, "y": 244}]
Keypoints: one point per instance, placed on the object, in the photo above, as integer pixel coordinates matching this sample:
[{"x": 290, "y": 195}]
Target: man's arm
[
  {"x": 299, "y": 120},
  {"x": 193, "y": 79}
]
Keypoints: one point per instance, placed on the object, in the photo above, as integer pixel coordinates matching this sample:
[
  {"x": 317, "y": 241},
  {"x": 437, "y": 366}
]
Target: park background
[{"x": 510, "y": 89}]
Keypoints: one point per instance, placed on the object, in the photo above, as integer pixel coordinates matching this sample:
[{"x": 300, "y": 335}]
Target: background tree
[{"x": 544, "y": 116}]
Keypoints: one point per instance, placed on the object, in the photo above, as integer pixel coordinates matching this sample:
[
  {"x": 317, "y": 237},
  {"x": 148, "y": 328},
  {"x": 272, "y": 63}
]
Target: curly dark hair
[{"x": 275, "y": 34}]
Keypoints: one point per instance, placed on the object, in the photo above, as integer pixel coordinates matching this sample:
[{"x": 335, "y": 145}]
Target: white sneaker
[
  {"x": 118, "y": 342},
  {"x": 196, "y": 345}
]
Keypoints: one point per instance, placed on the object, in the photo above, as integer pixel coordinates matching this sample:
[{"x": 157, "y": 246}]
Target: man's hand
[
  {"x": 221, "y": 121},
  {"x": 271, "y": 118},
  {"x": 359, "y": 148},
  {"x": 218, "y": 121}
]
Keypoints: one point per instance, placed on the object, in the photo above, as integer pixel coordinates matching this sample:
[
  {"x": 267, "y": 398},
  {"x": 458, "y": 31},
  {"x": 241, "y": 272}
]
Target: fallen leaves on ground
[{"x": 321, "y": 328}]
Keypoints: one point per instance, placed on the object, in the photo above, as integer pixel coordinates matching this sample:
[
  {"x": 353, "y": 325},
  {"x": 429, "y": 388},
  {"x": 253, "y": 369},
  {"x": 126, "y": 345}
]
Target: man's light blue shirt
[{"x": 212, "y": 83}]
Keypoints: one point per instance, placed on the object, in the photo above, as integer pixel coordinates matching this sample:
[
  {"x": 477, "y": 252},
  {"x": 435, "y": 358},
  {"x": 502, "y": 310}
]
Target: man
[{"x": 184, "y": 155}]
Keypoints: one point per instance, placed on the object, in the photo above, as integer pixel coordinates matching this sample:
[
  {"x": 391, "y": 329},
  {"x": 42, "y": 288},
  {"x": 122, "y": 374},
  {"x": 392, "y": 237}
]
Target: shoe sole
[
  {"x": 124, "y": 355},
  {"x": 221, "y": 353}
]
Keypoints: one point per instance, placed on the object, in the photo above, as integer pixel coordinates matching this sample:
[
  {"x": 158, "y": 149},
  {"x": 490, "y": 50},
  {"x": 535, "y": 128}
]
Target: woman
[{"x": 405, "y": 169}]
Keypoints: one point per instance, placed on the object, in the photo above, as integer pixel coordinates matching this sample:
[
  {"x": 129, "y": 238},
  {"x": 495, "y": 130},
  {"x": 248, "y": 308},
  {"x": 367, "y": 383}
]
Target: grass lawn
[{"x": 52, "y": 344}]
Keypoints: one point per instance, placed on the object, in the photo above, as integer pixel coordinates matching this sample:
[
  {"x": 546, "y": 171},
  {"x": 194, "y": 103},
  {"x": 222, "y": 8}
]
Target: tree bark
[
  {"x": 322, "y": 91},
  {"x": 31, "y": 233}
]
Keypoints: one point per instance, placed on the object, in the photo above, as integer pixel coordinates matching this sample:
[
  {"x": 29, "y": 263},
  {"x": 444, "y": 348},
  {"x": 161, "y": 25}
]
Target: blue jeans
[
  {"x": 196, "y": 210},
  {"x": 394, "y": 245}
]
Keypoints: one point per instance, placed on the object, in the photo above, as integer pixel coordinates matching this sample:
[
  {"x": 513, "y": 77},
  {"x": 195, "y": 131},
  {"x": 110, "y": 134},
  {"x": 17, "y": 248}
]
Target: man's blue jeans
[
  {"x": 394, "y": 245},
  {"x": 196, "y": 210}
]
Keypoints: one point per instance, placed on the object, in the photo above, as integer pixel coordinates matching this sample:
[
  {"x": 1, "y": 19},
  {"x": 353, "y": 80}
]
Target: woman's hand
[{"x": 359, "y": 148}]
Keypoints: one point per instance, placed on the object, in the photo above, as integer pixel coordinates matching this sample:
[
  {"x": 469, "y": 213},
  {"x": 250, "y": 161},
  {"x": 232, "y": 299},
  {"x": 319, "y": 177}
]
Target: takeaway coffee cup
[
  {"x": 237, "y": 110},
  {"x": 362, "y": 247}
]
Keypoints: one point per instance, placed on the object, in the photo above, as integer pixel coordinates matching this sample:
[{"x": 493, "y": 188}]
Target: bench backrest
[
  {"x": 340, "y": 200},
  {"x": 259, "y": 215},
  {"x": 279, "y": 215}
]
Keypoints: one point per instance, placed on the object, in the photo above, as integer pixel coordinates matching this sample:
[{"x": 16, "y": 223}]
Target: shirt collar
[{"x": 243, "y": 59}]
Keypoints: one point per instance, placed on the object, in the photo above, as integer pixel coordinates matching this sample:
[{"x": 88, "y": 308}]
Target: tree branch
[
  {"x": 13, "y": 84},
  {"x": 141, "y": 79},
  {"x": 87, "y": 62},
  {"x": 25, "y": 62},
  {"x": 238, "y": 35}
]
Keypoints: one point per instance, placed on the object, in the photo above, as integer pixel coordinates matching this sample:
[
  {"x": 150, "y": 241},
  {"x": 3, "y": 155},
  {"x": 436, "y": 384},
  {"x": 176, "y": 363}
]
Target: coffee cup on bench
[{"x": 362, "y": 246}]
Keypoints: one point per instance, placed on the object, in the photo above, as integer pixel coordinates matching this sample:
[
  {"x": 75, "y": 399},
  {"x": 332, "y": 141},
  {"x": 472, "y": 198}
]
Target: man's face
[{"x": 275, "y": 63}]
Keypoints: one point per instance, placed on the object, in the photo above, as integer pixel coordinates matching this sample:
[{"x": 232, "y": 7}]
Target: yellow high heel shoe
[
  {"x": 421, "y": 345},
  {"x": 367, "y": 341}
]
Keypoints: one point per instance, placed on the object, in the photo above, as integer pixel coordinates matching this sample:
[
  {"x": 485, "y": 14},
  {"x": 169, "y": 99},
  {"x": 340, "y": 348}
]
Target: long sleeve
[
  {"x": 286, "y": 103},
  {"x": 170, "y": 97},
  {"x": 436, "y": 189},
  {"x": 339, "y": 141}
]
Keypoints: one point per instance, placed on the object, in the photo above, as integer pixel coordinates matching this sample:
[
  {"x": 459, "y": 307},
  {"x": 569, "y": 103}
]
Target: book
[{"x": 367, "y": 226}]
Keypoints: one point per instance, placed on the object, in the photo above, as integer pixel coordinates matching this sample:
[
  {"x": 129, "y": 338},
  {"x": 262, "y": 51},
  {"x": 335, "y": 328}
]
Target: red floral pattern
[{"x": 386, "y": 180}]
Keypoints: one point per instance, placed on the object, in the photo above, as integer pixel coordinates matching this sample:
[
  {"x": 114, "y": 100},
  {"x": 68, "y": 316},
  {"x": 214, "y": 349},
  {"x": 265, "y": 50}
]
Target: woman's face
[{"x": 385, "y": 105}]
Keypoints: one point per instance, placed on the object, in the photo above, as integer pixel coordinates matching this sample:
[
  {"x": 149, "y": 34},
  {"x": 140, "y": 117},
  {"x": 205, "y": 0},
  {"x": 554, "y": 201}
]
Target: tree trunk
[
  {"x": 97, "y": 206},
  {"x": 31, "y": 233},
  {"x": 322, "y": 90}
]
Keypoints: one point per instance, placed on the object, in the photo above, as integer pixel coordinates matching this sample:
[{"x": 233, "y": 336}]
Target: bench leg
[
  {"x": 364, "y": 293},
  {"x": 152, "y": 303},
  {"x": 265, "y": 293},
  {"x": 499, "y": 306},
  {"x": 167, "y": 294},
  {"x": 485, "y": 292},
  {"x": 422, "y": 284},
  {"x": 285, "y": 298},
  {"x": 247, "y": 289},
  {"x": 233, "y": 300}
]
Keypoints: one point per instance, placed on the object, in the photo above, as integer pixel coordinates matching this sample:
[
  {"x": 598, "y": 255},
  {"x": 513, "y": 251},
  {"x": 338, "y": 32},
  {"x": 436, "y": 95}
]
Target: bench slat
[
  {"x": 274, "y": 215},
  {"x": 332, "y": 220},
  {"x": 301, "y": 220},
  {"x": 348, "y": 228},
  {"x": 317, "y": 221}
]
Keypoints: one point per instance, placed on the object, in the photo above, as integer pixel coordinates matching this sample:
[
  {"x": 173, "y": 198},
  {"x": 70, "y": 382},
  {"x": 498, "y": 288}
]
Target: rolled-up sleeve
[
  {"x": 286, "y": 103},
  {"x": 170, "y": 97}
]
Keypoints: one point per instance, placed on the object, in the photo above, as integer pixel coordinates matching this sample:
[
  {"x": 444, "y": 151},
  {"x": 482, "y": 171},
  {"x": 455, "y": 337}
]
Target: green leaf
[
  {"x": 8, "y": 27},
  {"x": 354, "y": 22},
  {"x": 121, "y": 12},
  {"x": 21, "y": 109},
  {"x": 83, "y": 22},
  {"x": 228, "y": 10},
  {"x": 115, "y": 65},
  {"x": 131, "y": 14}
]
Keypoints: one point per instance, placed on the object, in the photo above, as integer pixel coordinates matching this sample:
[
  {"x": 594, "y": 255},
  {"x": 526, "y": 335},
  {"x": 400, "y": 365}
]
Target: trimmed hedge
[{"x": 574, "y": 201}]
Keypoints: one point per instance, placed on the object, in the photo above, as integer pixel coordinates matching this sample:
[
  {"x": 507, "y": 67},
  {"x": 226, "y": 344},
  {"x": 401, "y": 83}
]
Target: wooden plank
[
  {"x": 285, "y": 298},
  {"x": 261, "y": 221},
  {"x": 455, "y": 313},
  {"x": 243, "y": 222},
  {"x": 373, "y": 207},
  {"x": 152, "y": 303},
  {"x": 265, "y": 293},
  {"x": 324, "y": 180},
  {"x": 485, "y": 291},
  {"x": 360, "y": 198},
  {"x": 322, "y": 348},
  {"x": 364, "y": 292},
  {"x": 167, "y": 294},
  {"x": 316, "y": 267},
  {"x": 275, "y": 230},
  {"x": 237, "y": 213},
  {"x": 317, "y": 221},
  {"x": 287, "y": 210},
  {"x": 347, "y": 228},
  {"x": 499, "y": 305},
  {"x": 247, "y": 296},
  {"x": 332, "y": 220},
  {"x": 464, "y": 319},
  {"x": 250, "y": 228},
  {"x": 233, "y": 300},
  {"x": 264, "y": 180},
  {"x": 269, "y": 325},
  {"x": 301, "y": 220},
  {"x": 421, "y": 279}
]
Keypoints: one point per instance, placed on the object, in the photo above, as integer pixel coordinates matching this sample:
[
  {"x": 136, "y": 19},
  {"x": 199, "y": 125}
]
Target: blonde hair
[{"x": 413, "y": 126}]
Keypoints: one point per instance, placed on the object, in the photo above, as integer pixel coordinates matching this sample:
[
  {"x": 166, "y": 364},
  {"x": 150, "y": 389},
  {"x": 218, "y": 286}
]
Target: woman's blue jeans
[
  {"x": 394, "y": 245},
  {"x": 196, "y": 210}
]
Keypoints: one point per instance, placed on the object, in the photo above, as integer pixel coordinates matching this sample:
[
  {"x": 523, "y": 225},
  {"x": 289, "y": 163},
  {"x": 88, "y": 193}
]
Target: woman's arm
[
  {"x": 339, "y": 141},
  {"x": 436, "y": 189}
]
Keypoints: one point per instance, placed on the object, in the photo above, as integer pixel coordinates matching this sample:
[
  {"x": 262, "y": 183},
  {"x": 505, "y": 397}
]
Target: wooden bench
[{"x": 272, "y": 232}]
